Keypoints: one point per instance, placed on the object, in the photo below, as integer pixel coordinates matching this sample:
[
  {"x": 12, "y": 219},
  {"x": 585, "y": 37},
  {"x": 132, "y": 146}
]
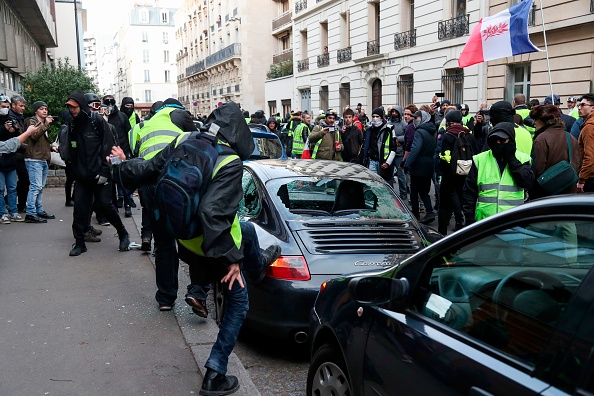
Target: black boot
[
  {"x": 146, "y": 244},
  {"x": 120, "y": 202},
  {"x": 127, "y": 211},
  {"x": 78, "y": 249},
  {"x": 124, "y": 241},
  {"x": 215, "y": 384}
]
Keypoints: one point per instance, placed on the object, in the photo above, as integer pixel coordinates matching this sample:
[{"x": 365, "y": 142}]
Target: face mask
[
  {"x": 376, "y": 122},
  {"x": 417, "y": 122},
  {"x": 110, "y": 108},
  {"x": 4, "y": 111},
  {"x": 497, "y": 149}
]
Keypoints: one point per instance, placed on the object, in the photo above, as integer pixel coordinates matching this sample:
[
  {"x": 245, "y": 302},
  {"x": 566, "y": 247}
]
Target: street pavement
[{"x": 89, "y": 325}]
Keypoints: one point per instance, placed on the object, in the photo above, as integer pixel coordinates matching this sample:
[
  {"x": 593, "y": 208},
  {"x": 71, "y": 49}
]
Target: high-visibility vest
[
  {"x": 195, "y": 245},
  {"x": 574, "y": 113},
  {"x": 133, "y": 135},
  {"x": 525, "y": 113},
  {"x": 132, "y": 119},
  {"x": 496, "y": 191},
  {"x": 298, "y": 142},
  {"x": 466, "y": 119},
  {"x": 157, "y": 133},
  {"x": 523, "y": 140}
]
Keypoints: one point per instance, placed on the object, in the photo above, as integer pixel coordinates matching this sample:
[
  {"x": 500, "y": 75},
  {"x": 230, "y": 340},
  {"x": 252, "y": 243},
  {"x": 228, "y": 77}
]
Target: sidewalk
[{"x": 90, "y": 324}]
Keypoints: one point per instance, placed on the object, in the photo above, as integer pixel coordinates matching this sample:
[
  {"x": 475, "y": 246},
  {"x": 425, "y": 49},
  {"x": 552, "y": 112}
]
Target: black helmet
[
  {"x": 331, "y": 112},
  {"x": 464, "y": 106},
  {"x": 91, "y": 97}
]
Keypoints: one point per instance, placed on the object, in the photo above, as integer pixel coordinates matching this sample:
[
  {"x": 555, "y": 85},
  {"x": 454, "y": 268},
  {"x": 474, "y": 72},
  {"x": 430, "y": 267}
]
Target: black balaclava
[
  {"x": 127, "y": 110},
  {"x": 501, "y": 111}
]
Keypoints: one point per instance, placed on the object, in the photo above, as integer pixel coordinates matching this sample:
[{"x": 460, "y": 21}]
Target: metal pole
[
  {"x": 544, "y": 33},
  {"x": 77, "y": 34}
]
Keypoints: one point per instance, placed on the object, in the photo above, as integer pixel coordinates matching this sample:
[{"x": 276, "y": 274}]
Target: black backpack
[
  {"x": 462, "y": 153},
  {"x": 182, "y": 182}
]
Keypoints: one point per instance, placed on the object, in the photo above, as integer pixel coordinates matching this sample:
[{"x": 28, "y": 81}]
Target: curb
[{"x": 200, "y": 334}]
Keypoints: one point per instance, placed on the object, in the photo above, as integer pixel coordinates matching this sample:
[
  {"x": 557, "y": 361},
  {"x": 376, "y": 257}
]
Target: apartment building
[
  {"x": 91, "y": 61},
  {"x": 224, "y": 53},
  {"x": 70, "y": 28},
  {"x": 26, "y": 33},
  {"x": 143, "y": 56},
  {"x": 568, "y": 28}
]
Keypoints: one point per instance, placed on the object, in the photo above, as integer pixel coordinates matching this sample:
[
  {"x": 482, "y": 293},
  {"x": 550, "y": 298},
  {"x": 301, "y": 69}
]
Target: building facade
[
  {"x": 91, "y": 61},
  {"x": 70, "y": 27},
  {"x": 224, "y": 53},
  {"x": 143, "y": 57},
  {"x": 27, "y": 31}
]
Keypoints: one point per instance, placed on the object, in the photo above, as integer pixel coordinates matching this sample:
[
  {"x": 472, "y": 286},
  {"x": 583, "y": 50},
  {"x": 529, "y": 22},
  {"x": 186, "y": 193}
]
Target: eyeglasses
[{"x": 583, "y": 104}]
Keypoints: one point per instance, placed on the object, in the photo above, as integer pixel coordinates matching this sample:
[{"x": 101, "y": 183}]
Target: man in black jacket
[
  {"x": 17, "y": 108},
  {"x": 91, "y": 141}
]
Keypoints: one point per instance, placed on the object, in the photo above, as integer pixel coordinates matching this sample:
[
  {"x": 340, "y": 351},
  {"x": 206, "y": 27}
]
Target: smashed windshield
[{"x": 332, "y": 197}]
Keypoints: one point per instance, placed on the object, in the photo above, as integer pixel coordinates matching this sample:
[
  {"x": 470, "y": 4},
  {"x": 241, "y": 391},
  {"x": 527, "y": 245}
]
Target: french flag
[{"x": 498, "y": 36}]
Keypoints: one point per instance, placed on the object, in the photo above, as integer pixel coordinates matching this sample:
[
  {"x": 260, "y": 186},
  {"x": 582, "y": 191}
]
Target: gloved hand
[
  {"x": 101, "y": 180},
  {"x": 509, "y": 151}
]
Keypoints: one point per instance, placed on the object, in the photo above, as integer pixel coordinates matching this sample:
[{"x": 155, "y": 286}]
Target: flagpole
[{"x": 544, "y": 33}]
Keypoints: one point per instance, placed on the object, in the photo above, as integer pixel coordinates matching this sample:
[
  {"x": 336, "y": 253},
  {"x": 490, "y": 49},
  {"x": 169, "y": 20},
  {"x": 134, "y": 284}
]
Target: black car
[
  {"x": 330, "y": 218},
  {"x": 503, "y": 307}
]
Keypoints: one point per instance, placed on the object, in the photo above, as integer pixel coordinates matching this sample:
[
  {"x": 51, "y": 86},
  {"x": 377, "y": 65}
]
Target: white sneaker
[
  {"x": 17, "y": 217},
  {"x": 5, "y": 219}
]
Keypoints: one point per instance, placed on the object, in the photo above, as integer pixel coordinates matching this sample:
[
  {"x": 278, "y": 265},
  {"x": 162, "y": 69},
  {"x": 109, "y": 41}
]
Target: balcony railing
[
  {"x": 532, "y": 15},
  {"x": 373, "y": 47},
  {"x": 195, "y": 68},
  {"x": 344, "y": 55},
  {"x": 300, "y": 5},
  {"x": 282, "y": 20},
  {"x": 323, "y": 60},
  {"x": 452, "y": 28},
  {"x": 405, "y": 39},
  {"x": 303, "y": 65},
  {"x": 224, "y": 54},
  {"x": 282, "y": 56}
]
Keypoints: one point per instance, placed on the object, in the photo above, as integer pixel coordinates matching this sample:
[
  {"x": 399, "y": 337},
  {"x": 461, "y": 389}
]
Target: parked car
[
  {"x": 329, "y": 218},
  {"x": 502, "y": 307},
  {"x": 268, "y": 144}
]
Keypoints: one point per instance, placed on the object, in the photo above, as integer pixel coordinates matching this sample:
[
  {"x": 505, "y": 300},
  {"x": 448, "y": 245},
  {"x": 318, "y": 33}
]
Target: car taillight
[
  {"x": 289, "y": 268},
  {"x": 323, "y": 286}
]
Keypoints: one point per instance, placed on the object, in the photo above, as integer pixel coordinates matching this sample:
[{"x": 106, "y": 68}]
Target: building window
[
  {"x": 271, "y": 107},
  {"x": 407, "y": 15},
  {"x": 165, "y": 56},
  {"x": 148, "y": 96},
  {"x": 165, "y": 17},
  {"x": 304, "y": 45},
  {"x": 144, "y": 16},
  {"x": 323, "y": 97},
  {"x": 345, "y": 95},
  {"x": 519, "y": 80},
  {"x": 345, "y": 30},
  {"x": 165, "y": 38},
  {"x": 458, "y": 8},
  {"x": 286, "y": 103},
  {"x": 405, "y": 86},
  {"x": 452, "y": 84},
  {"x": 324, "y": 37},
  {"x": 147, "y": 76},
  {"x": 167, "y": 76},
  {"x": 145, "y": 37},
  {"x": 145, "y": 56}
]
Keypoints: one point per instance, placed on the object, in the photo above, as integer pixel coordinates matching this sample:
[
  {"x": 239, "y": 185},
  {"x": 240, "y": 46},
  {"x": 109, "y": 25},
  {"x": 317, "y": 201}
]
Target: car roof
[{"x": 281, "y": 168}]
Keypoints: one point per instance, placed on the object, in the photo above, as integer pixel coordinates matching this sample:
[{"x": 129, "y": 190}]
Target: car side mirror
[{"x": 377, "y": 290}]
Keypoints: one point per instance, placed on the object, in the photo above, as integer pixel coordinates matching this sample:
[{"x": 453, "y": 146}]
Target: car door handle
[{"x": 474, "y": 391}]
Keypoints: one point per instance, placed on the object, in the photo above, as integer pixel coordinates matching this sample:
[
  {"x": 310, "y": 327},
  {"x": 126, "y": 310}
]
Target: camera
[
  {"x": 114, "y": 160},
  {"x": 331, "y": 129}
]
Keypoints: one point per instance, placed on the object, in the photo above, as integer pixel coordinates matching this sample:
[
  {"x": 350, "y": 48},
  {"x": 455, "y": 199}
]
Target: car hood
[{"x": 333, "y": 247}]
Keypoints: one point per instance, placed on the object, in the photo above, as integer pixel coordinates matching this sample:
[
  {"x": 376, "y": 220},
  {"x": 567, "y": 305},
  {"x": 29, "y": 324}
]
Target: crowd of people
[{"x": 479, "y": 164}]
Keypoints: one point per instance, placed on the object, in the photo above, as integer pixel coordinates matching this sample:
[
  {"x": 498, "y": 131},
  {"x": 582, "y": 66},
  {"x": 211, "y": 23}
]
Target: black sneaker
[
  {"x": 34, "y": 219},
  {"x": 146, "y": 244},
  {"x": 127, "y": 211},
  {"x": 102, "y": 222},
  {"x": 269, "y": 256},
  {"x": 198, "y": 306},
  {"x": 428, "y": 218},
  {"x": 120, "y": 203},
  {"x": 77, "y": 249},
  {"x": 132, "y": 203},
  {"x": 90, "y": 237},
  {"x": 95, "y": 231},
  {"x": 218, "y": 384},
  {"x": 45, "y": 215},
  {"x": 124, "y": 242},
  {"x": 165, "y": 307},
  {"x": 69, "y": 203}
]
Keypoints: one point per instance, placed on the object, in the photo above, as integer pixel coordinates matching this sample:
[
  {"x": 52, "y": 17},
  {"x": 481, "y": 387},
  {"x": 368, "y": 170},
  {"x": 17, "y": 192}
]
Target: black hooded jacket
[
  {"x": 92, "y": 140},
  {"x": 8, "y": 160}
]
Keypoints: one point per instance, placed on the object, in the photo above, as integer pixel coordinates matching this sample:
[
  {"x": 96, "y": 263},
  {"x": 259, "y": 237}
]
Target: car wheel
[{"x": 327, "y": 375}]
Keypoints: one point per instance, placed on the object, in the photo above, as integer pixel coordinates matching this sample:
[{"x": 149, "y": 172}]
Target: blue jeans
[
  {"x": 37, "y": 177},
  {"x": 8, "y": 181},
  {"x": 374, "y": 166},
  {"x": 402, "y": 187}
]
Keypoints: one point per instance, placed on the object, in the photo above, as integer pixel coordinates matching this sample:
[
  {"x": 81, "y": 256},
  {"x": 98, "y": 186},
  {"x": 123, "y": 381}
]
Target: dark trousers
[
  {"x": 69, "y": 181},
  {"x": 420, "y": 187},
  {"x": 450, "y": 193},
  {"x": 145, "y": 229},
  {"x": 84, "y": 195},
  {"x": 22, "y": 184},
  {"x": 589, "y": 185}
]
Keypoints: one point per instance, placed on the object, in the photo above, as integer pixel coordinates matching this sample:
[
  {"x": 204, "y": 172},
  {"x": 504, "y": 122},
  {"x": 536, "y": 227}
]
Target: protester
[
  {"x": 586, "y": 143},
  {"x": 326, "y": 139},
  {"x": 352, "y": 137},
  {"x": 17, "y": 109}
]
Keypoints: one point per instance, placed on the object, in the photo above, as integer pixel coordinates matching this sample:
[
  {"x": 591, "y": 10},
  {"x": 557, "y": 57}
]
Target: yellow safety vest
[
  {"x": 523, "y": 140},
  {"x": 525, "y": 113},
  {"x": 298, "y": 143},
  {"x": 157, "y": 133},
  {"x": 496, "y": 191}
]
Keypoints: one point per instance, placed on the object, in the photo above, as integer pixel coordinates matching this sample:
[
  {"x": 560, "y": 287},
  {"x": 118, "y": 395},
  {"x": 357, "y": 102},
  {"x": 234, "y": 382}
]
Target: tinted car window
[
  {"x": 266, "y": 148},
  {"x": 314, "y": 196},
  {"x": 509, "y": 290}
]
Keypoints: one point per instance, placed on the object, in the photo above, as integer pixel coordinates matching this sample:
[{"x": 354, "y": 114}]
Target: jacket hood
[
  {"x": 504, "y": 130},
  {"x": 259, "y": 113},
  {"x": 127, "y": 100},
  {"x": 80, "y": 98},
  {"x": 272, "y": 119},
  {"x": 231, "y": 127}
]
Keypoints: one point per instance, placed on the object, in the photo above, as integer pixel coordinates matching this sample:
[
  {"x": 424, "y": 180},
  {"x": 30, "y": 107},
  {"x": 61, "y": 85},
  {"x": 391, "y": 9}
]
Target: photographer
[
  {"x": 327, "y": 137},
  {"x": 17, "y": 108}
]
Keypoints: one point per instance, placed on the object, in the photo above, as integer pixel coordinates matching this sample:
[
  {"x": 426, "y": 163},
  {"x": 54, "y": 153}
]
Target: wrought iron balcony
[
  {"x": 303, "y": 65},
  {"x": 405, "y": 39},
  {"x": 282, "y": 56},
  {"x": 344, "y": 55},
  {"x": 282, "y": 20},
  {"x": 452, "y": 28},
  {"x": 195, "y": 68},
  {"x": 373, "y": 47},
  {"x": 300, "y": 5},
  {"x": 224, "y": 54},
  {"x": 323, "y": 60}
]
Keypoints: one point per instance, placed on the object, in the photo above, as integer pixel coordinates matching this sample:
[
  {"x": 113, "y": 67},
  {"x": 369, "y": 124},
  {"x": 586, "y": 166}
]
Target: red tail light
[{"x": 289, "y": 268}]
